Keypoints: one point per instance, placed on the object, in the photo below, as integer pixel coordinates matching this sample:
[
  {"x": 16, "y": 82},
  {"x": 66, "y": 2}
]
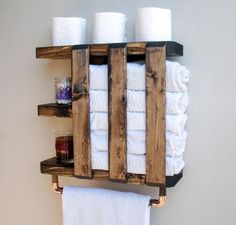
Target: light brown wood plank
[
  {"x": 155, "y": 115},
  {"x": 117, "y": 112},
  {"x": 57, "y": 52},
  {"x": 80, "y": 112},
  {"x": 54, "y": 110}
]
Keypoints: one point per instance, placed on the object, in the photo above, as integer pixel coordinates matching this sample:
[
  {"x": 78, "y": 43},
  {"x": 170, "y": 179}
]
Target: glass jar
[
  {"x": 63, "y": 90},
  {"x": 64, "y": 146}
]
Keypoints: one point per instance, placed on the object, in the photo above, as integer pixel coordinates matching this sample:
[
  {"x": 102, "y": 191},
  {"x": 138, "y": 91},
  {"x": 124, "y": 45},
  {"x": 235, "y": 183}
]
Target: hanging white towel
[
  {"x": 135, "y": 141},
  {"x": 176, "y": 123},
  {"x": 176, "y": 103},
  {"x": 93, "y": 206},
  {"x": 175, "y": 144},
  {"x": 177, "y": 76}
]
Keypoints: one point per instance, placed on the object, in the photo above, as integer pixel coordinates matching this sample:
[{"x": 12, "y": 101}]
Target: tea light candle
[{"x": 63, "y": 90}]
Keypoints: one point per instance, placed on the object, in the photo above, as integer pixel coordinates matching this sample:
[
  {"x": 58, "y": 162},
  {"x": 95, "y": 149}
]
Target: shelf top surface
[{"x": 133, "y": 48}]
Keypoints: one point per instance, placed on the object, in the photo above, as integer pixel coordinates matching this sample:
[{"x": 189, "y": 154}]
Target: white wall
[{"x": 207, "y": 29}]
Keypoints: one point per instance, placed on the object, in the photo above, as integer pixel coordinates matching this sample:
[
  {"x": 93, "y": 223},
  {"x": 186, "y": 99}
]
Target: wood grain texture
[
  {"x": 133, "y": 48},
  {"x": 52, "y": 167},
  {"x": 155, "y": 115},
  {"x": 57, "y": 52},
  {"x": 54, "y": 110},
  {"x": 80, "y": 112},
  {"x": 117, "y": 112}
]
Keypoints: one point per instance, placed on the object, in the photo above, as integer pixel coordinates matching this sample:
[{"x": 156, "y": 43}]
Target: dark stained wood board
[
  {"x": 52, "y": 167},
  {"x": 54, "y": 110},
  {"x": 117, "y": 141},
  {"x": 133, "y": 48},
  {"x": 80, "y": 112},
  {"x": 155, "y": 115}
]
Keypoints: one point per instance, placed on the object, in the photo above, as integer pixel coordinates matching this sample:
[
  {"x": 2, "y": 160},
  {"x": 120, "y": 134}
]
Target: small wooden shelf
[
  {"x": 54, "y": 110},
  {"x": 133, "y": 48},
  {"x": 52, "y": 167}
]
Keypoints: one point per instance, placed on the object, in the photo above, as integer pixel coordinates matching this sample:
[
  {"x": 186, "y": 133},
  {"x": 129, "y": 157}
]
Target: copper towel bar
[{"x": 153, "y": 202}]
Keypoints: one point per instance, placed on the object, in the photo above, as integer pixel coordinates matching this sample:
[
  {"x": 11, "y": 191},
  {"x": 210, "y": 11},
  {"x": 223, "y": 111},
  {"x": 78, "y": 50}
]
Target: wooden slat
[
  {"x": 155, "y": 115},
  {"x": 54, "y": 110},
  {"x": 58, "y": 52},
  {"x": 52, "y": 167},
  {"x": 80, "y": 112},
  {"x": 117, "y": 112}
]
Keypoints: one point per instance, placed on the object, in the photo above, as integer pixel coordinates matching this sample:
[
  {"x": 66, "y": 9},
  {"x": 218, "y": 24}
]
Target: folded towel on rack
[
  {"x": 136, "y": 101},
  {"x": 177, "y": 76},
  {"x": 137, "y": 163},
  {"x": 99, "y": 101},
  {"x": 135, "y": 141},
  {"x": 176, "y": 103},
  {"x": 176, "y": 123},
  {"x": 110, "y": 208},
  {"x": 174, "y": 165},
  {"x": 175, "y": 144},
  {"x": 135, "y": 121}
]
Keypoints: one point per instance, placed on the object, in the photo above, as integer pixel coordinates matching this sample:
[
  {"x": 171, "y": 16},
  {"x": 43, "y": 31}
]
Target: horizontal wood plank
[
  {"x": 133, "y": 48},
  {"x": 54, "y": 110},
  {"x": 52, "y": 167}
]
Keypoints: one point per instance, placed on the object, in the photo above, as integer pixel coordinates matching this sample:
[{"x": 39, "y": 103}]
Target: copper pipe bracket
[{"x": 153, "y": 202}]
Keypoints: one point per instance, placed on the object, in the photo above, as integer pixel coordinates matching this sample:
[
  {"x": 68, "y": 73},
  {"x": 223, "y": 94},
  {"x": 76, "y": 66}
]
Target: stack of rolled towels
[{"x": 177, "y": 99}]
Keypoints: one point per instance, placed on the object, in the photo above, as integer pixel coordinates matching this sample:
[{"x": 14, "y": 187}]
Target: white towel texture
[
  {"x": 137, "y": 163},
  {"x": 175, "y": 145},
  {"x": 177, "y": 77},
  {"x": 176, "y": 123},
  {"x": 93, "y": 206},
  {"x": 136, "y": 101}
]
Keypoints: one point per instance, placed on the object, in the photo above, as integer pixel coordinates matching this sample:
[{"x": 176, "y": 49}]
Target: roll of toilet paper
[
  {"x": 109, "y": 27},
  {"x": 68, "y": 31},
  {"x": 153, "y": 24}
]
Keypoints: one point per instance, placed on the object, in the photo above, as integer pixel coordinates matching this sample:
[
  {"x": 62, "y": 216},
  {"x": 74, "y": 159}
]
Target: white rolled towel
[
  {"x": 177, "y": 77},
  {"x": 135, "y": 121},
  {"x": 99, "y": 160},
  {"x": 174, "y": 165},
  {"x": 176, "y": 103},
  {"x": 175, "y": 144},
  {"x": 135, "y": 141},
  {"x": 176, "y": 123},
  {"x": 109, "y": 27}
]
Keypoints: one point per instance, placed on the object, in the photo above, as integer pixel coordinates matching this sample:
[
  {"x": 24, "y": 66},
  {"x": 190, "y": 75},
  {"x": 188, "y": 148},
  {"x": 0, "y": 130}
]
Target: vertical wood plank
[
  {"x": 117, "y": 112},
  {"x": 80, "y": 112},
  {"x": 155, "y": 115}
]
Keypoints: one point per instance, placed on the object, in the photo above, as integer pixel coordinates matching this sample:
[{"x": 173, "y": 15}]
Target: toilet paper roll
[
  {"x": 68, "y": 31},
  {"x": 109, "y": 27},
  {"x": 153, "y": 24}
]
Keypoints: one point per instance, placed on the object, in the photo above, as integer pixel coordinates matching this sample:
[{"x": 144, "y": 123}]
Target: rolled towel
[
  {"x": 174, "y": 165},
  {"x": 175, "y": 145},
  {"x": 136, "y": 164},
  {"x": 98, "y": 77},
  {"x": 135, "y": 121},
  {"x": 176, "y": 103},
  {"x": 176, "y": 77},
  {"x": 176, "y": 123},
  {"x": 135, "y": 141},
  {"x": 99, "y": 160}
]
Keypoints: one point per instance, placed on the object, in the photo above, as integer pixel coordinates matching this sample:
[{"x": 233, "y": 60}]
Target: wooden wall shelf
[
  {"x": 65, "y": 52},
  {"x": 52, "y": 167}
]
